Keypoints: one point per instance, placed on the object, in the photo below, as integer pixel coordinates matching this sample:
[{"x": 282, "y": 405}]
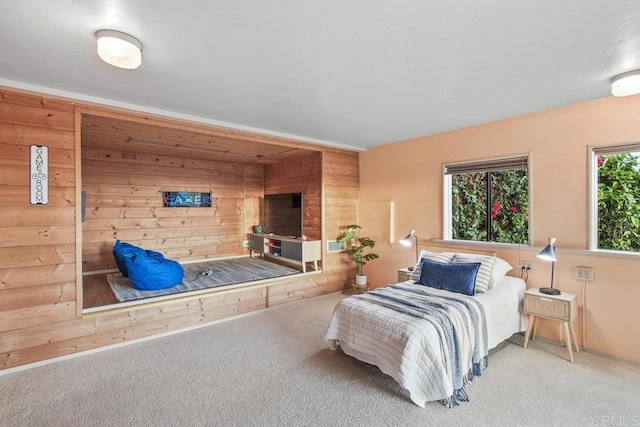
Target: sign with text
[
  {"x": 39, "y": 175},
  {"x": 186, "y": 199}
]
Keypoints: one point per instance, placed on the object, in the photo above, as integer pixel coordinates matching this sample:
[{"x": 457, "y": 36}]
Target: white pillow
[
  {"x": 483, "y": 278},
  {"x": 500, "y": 269},
  {"x": 443, "y": 257}
]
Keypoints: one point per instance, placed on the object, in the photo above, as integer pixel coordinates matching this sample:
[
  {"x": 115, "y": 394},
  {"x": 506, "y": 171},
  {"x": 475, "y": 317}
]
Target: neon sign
[{"x": 186, "y": 199}]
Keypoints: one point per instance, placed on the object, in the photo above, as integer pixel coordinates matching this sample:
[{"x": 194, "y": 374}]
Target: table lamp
[
  {"x": 408, "y": 241},
  {"x": 549, "y": 254}
]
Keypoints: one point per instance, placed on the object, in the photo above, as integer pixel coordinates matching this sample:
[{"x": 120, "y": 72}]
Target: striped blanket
[{"x": 431, "y": 341}]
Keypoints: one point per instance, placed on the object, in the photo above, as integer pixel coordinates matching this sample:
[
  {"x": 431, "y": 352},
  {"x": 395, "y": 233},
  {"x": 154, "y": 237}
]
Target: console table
[{"x": 286, "y": 247}]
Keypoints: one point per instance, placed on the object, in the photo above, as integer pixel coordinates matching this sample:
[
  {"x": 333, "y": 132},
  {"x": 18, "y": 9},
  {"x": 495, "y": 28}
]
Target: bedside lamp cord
[{"x": 584, "y": 315}]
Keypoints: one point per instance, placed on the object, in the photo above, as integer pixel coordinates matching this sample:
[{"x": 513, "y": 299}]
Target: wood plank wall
[
  {"x": 329, "y": 211},
  {"x": 37, "y": 247},
  {"x": 302, "y": 175},
  {"x": 39, "y": 316},
  {"x": 124, "y": 201}
]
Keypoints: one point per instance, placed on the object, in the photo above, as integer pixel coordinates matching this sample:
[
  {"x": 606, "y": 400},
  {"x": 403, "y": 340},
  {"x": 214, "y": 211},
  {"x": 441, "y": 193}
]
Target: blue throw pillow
[{"x": 459, "y": 278}]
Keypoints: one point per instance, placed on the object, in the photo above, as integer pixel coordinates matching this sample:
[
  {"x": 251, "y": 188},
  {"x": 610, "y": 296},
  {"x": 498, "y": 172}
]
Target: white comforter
[{"x": 409, "y": 350}]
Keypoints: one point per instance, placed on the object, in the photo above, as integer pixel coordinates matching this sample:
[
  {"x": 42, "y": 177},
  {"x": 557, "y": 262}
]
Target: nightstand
[
  {"x": 404, "y": 274},
  {"x": 359, "y": 289},
  {"x": 561, "y": 308}
]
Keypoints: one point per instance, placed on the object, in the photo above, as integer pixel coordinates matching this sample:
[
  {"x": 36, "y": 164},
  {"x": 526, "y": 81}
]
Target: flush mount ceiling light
[
  {"x": 626, "y": 84},
  {"x": 119, "y": 49}
]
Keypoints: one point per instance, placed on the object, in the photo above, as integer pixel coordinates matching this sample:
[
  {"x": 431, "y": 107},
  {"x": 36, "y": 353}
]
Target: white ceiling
[{"x": 354, "y": 73}]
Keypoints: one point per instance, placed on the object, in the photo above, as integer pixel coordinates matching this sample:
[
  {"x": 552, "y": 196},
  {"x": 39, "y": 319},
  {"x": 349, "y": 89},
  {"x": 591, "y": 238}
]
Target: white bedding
[{"x": 410, "y": 351}]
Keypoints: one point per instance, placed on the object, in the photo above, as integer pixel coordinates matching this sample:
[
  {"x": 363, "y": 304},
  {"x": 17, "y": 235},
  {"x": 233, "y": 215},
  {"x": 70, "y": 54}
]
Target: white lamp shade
[
  {"x": 406, "y": 240},
  {"x": 548, "y": 253},
  {"x": 119, "y": 49},
  {"x": 626, "y": 84}
]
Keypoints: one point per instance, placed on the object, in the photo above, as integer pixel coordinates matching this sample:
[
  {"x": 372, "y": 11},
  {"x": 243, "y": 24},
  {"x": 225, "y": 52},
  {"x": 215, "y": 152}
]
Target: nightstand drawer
[{"x": 547, "y": 307}]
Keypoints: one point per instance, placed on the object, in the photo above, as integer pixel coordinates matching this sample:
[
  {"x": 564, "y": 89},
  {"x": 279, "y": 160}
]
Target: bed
[{"x": 431, "y": 341}]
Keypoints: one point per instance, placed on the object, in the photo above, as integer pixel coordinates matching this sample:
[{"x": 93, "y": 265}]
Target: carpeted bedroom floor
[{"x": 273, "y": 368}]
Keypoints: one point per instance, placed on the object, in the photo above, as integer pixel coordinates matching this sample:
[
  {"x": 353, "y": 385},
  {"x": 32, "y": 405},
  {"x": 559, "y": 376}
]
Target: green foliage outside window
[
  {"x": 469, "y": 206},
  {"x": 619, "y": 202},
  {"x": 508, "y": 207}
]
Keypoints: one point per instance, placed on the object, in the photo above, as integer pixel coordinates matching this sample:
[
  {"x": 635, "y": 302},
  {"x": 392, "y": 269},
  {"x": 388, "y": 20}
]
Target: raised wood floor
[{"x": 97, "y": 293}]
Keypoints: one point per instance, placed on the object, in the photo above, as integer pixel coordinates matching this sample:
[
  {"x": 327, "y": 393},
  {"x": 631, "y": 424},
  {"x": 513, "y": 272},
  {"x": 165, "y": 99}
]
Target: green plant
[
  {"x": 357, "y": 246},
  {"x": 619, "y": 202},
  {"x": 495, "y": 210}
]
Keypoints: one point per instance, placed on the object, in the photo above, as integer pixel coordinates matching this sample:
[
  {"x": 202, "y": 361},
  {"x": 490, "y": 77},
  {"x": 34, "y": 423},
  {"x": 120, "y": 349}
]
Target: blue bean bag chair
[
  {"x": 149, "y": 272},
  {"x": 122, "y": 249},
  {"x": 146, "y": 269}
]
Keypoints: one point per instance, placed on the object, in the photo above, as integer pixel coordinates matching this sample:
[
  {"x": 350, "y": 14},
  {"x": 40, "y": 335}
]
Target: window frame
[
  {"x": 592, "y": 154},
  {"x": 447, "y": 212}
]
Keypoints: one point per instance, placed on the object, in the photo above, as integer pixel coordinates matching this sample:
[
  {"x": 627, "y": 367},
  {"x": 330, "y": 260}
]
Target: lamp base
[{"x": 549, "y": 291}]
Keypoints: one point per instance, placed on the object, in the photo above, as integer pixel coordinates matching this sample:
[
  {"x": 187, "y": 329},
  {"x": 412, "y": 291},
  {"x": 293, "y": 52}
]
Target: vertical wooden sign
[{"x": 39, "y": 175}]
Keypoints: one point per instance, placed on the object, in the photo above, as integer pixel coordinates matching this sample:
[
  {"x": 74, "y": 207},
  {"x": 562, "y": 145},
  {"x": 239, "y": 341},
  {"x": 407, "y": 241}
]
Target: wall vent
[{"x": 334, "y": 246}]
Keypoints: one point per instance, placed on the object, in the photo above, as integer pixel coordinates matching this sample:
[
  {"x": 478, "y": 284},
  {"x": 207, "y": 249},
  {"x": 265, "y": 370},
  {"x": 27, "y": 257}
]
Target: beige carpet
[{"x": 273, "y": 369}]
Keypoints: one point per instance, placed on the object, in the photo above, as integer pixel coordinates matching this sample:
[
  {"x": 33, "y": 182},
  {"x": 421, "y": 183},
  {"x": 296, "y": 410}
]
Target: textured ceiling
[{"x": 349, "y": 73}]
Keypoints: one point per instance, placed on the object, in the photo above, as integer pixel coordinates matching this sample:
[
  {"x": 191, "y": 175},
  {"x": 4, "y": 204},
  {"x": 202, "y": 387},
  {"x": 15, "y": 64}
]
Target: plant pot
[{"x": 361, "y": 279}]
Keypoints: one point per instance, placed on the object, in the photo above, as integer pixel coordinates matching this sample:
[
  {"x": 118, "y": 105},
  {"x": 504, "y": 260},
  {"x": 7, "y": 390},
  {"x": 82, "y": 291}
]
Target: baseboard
[
  {"x": 589, "y": 350},
  {"x": 611, "y": 356},
  {"x": 140, "y": 340}
]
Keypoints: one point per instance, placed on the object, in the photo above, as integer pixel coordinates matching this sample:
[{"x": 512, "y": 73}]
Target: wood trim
[
  {"x": 266, "y": 283},
  {"x": 323, "y": 202},
  {"x": 78, "y": 193},
  {"x": 190, "y": 126}
]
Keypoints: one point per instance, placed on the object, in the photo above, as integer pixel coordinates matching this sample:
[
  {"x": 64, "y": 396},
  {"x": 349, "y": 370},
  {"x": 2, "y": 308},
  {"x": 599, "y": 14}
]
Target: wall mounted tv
[{"x": 283, "y": 214}]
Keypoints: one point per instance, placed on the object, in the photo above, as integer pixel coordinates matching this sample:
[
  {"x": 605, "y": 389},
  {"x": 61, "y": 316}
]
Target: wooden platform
[
  {"x": 98, "y": 296},
  {"x": 97, "y": 292}
]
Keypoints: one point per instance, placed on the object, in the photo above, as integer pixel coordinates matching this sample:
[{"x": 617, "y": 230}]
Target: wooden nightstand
[
  {"x": 403, "y": 274},
  {"x": 561, "y": 308},
  {"x": 359, "y": 289}
]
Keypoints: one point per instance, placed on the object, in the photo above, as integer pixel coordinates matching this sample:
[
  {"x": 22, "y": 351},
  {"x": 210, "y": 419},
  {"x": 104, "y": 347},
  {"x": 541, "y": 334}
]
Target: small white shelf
[{"x": 286, "y": 247}]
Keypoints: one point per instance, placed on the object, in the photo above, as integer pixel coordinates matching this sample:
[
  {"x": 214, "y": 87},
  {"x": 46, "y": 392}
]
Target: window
[
  {"x": 487, "y": 200},
  {"x": 615, "y": 208}
]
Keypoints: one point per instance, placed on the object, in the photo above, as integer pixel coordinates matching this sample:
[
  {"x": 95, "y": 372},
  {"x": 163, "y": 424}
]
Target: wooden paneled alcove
[
  {"x": 122, "y": 161},
  {"x": 128, "y": 164}
]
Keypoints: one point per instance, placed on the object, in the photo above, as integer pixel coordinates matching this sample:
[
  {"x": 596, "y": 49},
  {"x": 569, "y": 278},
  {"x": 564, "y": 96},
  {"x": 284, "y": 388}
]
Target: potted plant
[{"x": 356, "y": 248}]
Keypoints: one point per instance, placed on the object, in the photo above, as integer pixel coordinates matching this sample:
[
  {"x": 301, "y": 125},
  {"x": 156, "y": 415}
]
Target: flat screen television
[{"x": 283, "y": 214}]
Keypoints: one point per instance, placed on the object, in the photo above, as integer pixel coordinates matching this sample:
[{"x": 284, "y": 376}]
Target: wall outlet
[
  {"x": 584, "y": 274},
  {"x": 245, "y": 243},
  {"x": 526, "y": 266}
]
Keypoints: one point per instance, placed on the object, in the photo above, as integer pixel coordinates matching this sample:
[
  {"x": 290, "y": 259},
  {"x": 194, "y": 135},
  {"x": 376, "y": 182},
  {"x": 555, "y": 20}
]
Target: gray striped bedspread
[{"x": 432, "y": 342}]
